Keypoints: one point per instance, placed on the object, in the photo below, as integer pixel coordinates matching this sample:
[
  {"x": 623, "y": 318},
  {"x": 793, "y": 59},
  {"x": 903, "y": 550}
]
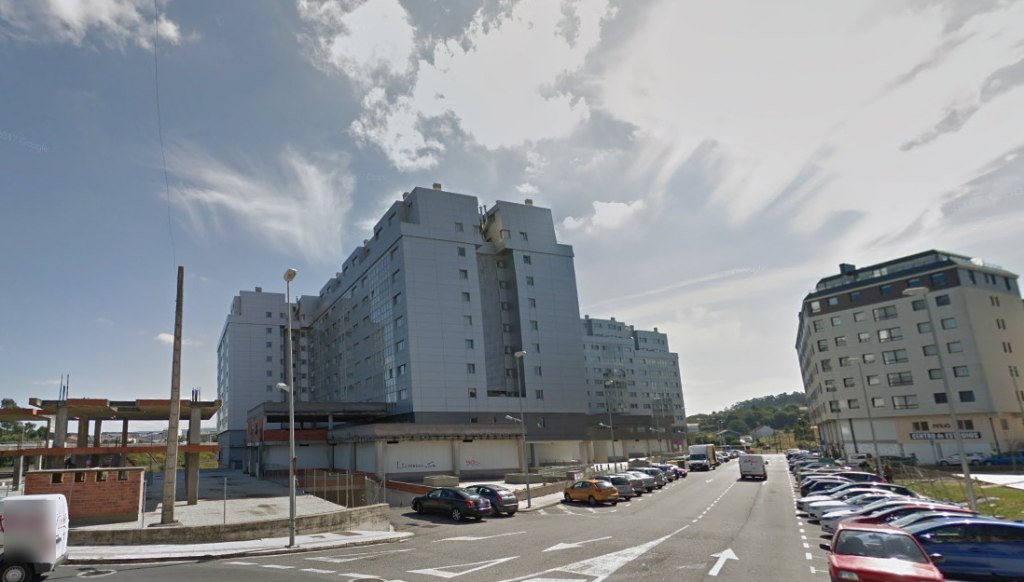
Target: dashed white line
[
  {"x": 317, "y": 571},
  {"x": 807, "y": 546},
  {"x": 241, "y": 563},
  {"x": 807, "y": 555},
  {"x": 278, "y": 566}
]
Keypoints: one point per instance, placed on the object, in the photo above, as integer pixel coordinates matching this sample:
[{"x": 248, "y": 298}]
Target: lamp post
[
  {"x": 922, "y": 292},
  {"x": 871, "y": 420},
  {"x": 289, "y": 275},
  {"x": 520, "y": 355},
  {"x": 608, "y": 406}
]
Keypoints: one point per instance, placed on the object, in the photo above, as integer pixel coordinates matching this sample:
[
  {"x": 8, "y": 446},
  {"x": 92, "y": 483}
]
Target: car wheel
[
  {"x": 943, "y": 463},
  {"x": 511, "y": 513},
  {"x": 456, "y": 514},
  {"x": 567, "y": 498},
  {"x": 614, "y": 503},
  {"x": 417, "y": 507},
  {"x": 592, "y": 501},
  {"x": 479, "y": 518},
  {"x": 494, "y": 511},
  {"x": 16, "y": 572}
]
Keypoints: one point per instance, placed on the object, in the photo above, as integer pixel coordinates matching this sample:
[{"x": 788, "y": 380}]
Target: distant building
[
  {"x": 762, "y": 432},
  {"x": 865, "y": 345}
]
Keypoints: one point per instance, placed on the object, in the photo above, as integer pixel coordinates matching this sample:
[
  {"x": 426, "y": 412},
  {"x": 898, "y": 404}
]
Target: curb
[{"x": 397, "y": 537}]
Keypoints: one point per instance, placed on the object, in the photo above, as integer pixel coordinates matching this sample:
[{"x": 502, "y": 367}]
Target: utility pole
[{"x": 171, "y": 460}]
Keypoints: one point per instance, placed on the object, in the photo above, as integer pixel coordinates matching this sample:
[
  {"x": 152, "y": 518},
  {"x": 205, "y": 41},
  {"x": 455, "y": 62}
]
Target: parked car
[
  {"x": 924, "y": 516},
  {"x": 1004, "y": 459},
  {"x": 818, "y": 486},
  {"x": 659, "y": 476},
  {"x": 592, "y": 491},
  {"x": 878, "y": 553},
  {"x": 503, "y": 499},
  {"x": 453, "y": 501},
  {"x": 846, "y": 490},
  {"x": 621, "y": 483},
  {"x": 884, "y": 512},
  {"x": 648, "y": 481},
  {"x": 954, "y": 459},
  {"x": 974, "y": 547},
  {"x": 853, "y": 500}
]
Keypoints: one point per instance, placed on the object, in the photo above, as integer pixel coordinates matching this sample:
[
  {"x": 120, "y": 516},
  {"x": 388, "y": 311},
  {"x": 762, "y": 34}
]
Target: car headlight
[{"x": 848, "y": 575}]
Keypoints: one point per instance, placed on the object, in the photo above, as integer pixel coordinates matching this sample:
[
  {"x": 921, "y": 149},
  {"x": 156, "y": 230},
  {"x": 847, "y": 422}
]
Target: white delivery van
[
  {"x": 753, "y": 467},
  {"x": 34, "y": 536}
]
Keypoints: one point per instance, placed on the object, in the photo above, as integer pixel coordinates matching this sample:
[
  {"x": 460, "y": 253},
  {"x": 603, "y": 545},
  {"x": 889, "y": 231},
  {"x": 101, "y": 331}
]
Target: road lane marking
[
  {"x": 807, "y": 555},
  {"x": 241, "y": 563},
  {"x": 317, "y": 571},
  {"x": 278, "y": 566},
  {"x": 726, "y": 554},
  {"x": 477, "y": 538},
  {"x": 807, "y": 546},
  {"x": 353, "y": 557},
  {"x": 460, "y": 569},
  {"x": 575, "y": 544}
]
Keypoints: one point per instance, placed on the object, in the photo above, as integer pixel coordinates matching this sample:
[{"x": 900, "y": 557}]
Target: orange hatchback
[{"x": 592, "y": 491}]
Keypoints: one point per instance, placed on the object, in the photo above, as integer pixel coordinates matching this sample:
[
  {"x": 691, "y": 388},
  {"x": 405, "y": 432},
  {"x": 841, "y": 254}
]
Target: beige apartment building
[{"x": 896, "y": 347}]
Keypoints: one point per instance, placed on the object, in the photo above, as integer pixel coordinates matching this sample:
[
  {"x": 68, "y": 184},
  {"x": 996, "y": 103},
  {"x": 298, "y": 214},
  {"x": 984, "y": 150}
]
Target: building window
[
  {"x": 458, "y": 227},
  {"x": 396, "y": 298},
  {"x": 890, "y": 335},
  {"x": 942, "y": 300},
  {"x": 868, "y": 358},
  {"x": 863, "y": 337},
  {"x": 961, "y": 371},
  {"x": 840, "y": 341},
  {"x": 818, "y": 325},
  {"x": 859, "y": 316},
  {"x": 949, "y": 323},
  {"x": 533, "y": 325},
  {"x": 955, "y": 347},
  {"x": 472, "y": 392},
  {"x": 270, "y": 330},
  {"x": 532, "y": 302},
  {"x": 460, "y": 251},
  {"x": 965, "y": 424},
  {"x": 465, "y": 296},
  {"x": 270, "y": 373},
  {"x": 471, "y": 368},
  {"x": 502, "y": 284},
  {"x": 921, "y": 425},
  {"x": 855, "y": 296},
  {"x": 823, "y": 345},
  {"x": 505, "y": 306},
  {"x": 873, "y": 380},
  {"x": 883, "y": 313},
  {"x": 463, "y": 274},
  {"x": 924, "y": 327},
  {"x": 966, "y": 395},
  {"x": 535, "y": 347},
  {"x": 844, "y": 361},
  {"x": 833, "y": 301},
  {"x": 537, "y": 371},
  {"x": 940, "y": 398},
  {"x": 894, "y": 357},
  {"x": 918, "y": 304},
  {"x": 269, "y": 315},
  {"x": 500, "y": 263},
  {"x": 904, "y": 402},
  {"x": 528, "y": 259},
  {"x": 938, "y": 279},
  {"x": 878, "y": 403},
  {"x": 826, "y": 365},
  {"x": 469, "y": 344},
  {"x": 815, "y": 306},
  {"x": 1008, "y": 347},
  {"x": 930, "y": 350},
  {"x": 886, "y": 289},
  {"x": 833, "y": 405},
  {"x": 853, "y": 404},
  {"x": 399, "y": 321},
  {"x": 467, "y": 319},
  {"x": 900, "y": 378},
  {"x": 1000, "y": 323},
  {"x": 529, "y": 281},
  {"x": 402, "y": 369},
  {"x": 830, "y": 385},
  {"x": 837, "y": 321},
  {"x": 270, "y": 344},
  {"x": 935, "y": 374},
  {"x": 848, "y": 382}
]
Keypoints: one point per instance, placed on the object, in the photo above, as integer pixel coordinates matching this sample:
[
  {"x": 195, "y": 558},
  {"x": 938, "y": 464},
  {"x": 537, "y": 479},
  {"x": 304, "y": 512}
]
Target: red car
[{"x": 864, "y": 551}]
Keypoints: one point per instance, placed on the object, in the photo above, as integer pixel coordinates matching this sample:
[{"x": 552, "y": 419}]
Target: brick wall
[{"x": 94, "y": 495}]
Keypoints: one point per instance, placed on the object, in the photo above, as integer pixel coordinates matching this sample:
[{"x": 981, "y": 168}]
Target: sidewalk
[{"x": 221, "y": 550}]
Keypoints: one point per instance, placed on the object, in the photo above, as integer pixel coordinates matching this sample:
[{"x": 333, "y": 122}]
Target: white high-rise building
[{"x": 867, "y": 346}]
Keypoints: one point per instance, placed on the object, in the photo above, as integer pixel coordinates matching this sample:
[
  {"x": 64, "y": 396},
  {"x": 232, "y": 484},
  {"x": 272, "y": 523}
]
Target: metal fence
[{"x": 339, "y": 487}]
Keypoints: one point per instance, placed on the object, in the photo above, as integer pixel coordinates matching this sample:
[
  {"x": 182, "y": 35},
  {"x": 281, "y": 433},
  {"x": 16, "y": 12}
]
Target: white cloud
[
  {"x": 103, "y": 321},
  {"x": 45, "y": 382},
  {"x": 168, "y": 338},
  {"x": 299, "y": 208},
  {"x": 115, "y": 23},
  {"x": 607, "y": 216}
]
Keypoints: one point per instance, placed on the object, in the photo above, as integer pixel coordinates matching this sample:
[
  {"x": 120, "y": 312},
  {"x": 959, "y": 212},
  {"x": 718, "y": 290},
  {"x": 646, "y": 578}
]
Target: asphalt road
[{"x": 708, "y": 527}]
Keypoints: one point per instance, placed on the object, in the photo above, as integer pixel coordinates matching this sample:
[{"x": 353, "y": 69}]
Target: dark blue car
[
  {"x": 974, "y": 548},
  {"x": 1003, "y": 459}
]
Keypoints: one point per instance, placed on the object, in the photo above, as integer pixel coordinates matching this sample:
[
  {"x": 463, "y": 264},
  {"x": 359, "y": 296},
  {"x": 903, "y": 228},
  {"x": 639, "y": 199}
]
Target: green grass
[
  {"x": 994, "y": 500},
  {"x": 156, "y": 460}
]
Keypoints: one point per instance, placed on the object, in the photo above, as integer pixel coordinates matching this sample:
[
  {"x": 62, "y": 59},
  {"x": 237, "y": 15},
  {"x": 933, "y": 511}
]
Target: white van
[
  {"x": 33, "y": 535},
  {"x": 753, "y": 467}
]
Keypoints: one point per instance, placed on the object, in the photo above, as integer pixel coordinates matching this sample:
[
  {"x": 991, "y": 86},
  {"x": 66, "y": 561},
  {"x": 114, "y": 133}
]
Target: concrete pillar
[
  {"x": 19, "y": 468},
  {"x": 97, "y": 441},
  {"x": 352, "y": 458},
  {"x": 456, "y": 457},
  {"x": 60, "y": 436},
  {"x": 380, "y": 449},
  {"x": 83, "y": 440},
  {"x": 192, "y": 459},
  {"x": 519, "y": 453}
]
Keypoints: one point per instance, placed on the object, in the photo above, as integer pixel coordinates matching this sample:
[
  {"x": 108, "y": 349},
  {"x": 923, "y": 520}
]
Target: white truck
[
  {"x": 702, "y": 458},
  {"x": 33, "y": 536}
]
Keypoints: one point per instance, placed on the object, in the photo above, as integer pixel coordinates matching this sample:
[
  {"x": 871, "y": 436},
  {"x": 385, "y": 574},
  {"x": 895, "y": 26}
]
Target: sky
[{"x": 709, "y": 162}]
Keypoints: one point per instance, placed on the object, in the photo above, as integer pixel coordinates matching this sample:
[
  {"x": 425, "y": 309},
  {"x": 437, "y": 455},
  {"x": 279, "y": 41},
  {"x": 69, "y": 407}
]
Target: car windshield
[{"x": 879, "y": 545}]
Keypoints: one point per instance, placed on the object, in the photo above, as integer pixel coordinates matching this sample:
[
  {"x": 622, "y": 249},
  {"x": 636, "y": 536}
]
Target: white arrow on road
[
  {"x": 722, "y": 556},
  {"x": 574, "y": 545},
  {"x": 478, "y": 538}
]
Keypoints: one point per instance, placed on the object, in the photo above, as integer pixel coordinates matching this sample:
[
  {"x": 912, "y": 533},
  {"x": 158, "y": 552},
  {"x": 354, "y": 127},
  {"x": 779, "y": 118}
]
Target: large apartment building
[
  {"x": 902, "y": 344},
  {"x": 428, "y": 315}
]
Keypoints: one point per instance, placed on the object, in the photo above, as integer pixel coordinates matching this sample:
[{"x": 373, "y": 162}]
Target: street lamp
[
  {"x": 871, "y": 420},
  {"x": 608, "y": 405},
  {"x": 922, "y": 292},
  {"x": 529, "y": 498},
  {"x": 289, "y": 275},
  {"x": 520, "y": 355}
]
